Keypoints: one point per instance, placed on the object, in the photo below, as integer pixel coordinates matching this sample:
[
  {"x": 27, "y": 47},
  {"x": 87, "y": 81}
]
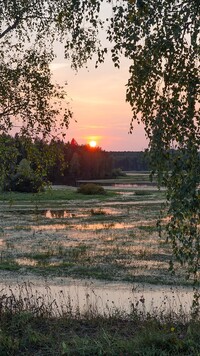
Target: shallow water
[
  {"x": 78, "y": 213},
  {"x": 48, "y": 227},
  {"x": 104, "y": 225},
  {"x": 114, "y": 225},
  {"x": 103, "y": 297},
  {"x": 57, "y": 214},
  {"x": 133, "y": 185},
  {"x": 116, "y": 239},
  {"x": 140, "y": 202}
]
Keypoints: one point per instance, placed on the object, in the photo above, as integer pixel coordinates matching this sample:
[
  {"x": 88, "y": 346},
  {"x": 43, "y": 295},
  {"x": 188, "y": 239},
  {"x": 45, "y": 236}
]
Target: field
[
  {"x": 89, "y": 275},
  {"x": 61, "y": 233}
]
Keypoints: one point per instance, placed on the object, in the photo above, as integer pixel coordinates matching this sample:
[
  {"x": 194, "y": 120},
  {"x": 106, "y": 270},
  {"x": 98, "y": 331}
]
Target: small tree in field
[{"x": 25, "y": 179}]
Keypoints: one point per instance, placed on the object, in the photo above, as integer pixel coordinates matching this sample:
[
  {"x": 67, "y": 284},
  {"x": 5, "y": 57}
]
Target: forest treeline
[
  {"x": 26, "y": 164},
  {"x": 130, "y": 161}
]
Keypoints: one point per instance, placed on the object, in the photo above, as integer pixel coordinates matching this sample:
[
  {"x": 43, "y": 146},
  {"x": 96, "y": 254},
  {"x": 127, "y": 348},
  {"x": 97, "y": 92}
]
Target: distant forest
[
  {"x": 26, "y": 164},
  {"x": 130, "y": 161}
]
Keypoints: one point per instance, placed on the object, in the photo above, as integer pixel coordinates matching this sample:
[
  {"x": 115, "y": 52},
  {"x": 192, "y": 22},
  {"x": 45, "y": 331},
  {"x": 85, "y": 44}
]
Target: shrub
[
  {"x": 25, "y": 180},
  {"x": 117, "y": 172},
  {"x": 26, "y": 184},
  {"x": 90, "y": 189}
]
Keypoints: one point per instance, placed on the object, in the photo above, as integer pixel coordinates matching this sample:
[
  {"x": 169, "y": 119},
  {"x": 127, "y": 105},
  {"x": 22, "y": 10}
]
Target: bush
[
  {"x": 25, "y": 180},
  {"x": 90, "y": 189},
  {"x": 26, "y": 184},
  {"x": 117, "y": 172}
]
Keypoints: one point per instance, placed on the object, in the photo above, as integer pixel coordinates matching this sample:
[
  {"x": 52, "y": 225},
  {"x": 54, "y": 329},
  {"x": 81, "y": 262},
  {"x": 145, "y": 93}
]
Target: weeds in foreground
[{"x": 35, "y": 324}]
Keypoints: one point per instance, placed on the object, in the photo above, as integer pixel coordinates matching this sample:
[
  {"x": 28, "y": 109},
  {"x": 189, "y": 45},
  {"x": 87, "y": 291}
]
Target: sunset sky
[{"x": 97, "y": 99}]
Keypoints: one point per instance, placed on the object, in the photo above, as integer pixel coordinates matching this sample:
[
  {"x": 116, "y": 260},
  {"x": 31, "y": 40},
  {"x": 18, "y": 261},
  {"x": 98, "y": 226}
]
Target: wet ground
[
  {"x": 114, "y": 241},
  {"x": 101, "y": 297}
]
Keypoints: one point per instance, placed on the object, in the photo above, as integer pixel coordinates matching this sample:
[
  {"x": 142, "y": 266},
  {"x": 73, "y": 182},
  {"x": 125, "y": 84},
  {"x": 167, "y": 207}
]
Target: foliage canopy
[{"x": 161, "y": 40}]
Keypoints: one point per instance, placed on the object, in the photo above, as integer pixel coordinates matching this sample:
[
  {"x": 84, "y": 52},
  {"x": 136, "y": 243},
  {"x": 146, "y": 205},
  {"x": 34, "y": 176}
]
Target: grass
[
  {"x": 33, "y": 324},
  {"x": 144, "y": 192},
  {"x": 129, "y": 179},
  {"x": 51, "y": 195},
  {"x": 148, "y": 228},
  {"x": 57, "y": 338},
  {"x": 103, "y": 241},
  {"x": 7, "y": 265}
]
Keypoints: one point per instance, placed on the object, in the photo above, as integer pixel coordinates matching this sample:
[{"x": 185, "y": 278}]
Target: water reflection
[
  {"x": 105, "y": 298},
  {"x": 48, "y": 227},
  {"x": 93, "y": 226},
  {"x": 115, "y": 225},
  {"x": 134, "y": 185},
  {"x": 133, "y": 203},
  {"x": 58, "y": 214},
  {"x": 100, "y": 226},
  {"x": 26, "y": 262}
]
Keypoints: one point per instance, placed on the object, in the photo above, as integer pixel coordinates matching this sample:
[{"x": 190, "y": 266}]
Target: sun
[{"x": 92, "y": 144}]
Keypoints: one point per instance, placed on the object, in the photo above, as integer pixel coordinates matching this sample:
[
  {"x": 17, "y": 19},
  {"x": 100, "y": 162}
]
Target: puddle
[
  {"x": 106, "y": 211},
  {"x": 141, "y": 202},
  {"x": 58, "y": 214},
  {"x": 49, "y": 227},
  {"x": 114, "y": 241},
  {"x": 92, "y": 226},
  {"x": 101, "y": 226},
  {"x": 117, "y": 225},
  {"x": 95, "y": 226},
  {"x": 26, "y": 262},
  {"x": 105, "y": 297},
  {"x": 134, "y": 185},
  {"x": 127, "y": 193}
]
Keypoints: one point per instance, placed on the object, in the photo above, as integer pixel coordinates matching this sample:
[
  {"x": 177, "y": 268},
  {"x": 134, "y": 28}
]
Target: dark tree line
[
  {"x": 130, "y": 161},
  {"x": 28, "y": 164},
  {"x": 73, "y": 161}
]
